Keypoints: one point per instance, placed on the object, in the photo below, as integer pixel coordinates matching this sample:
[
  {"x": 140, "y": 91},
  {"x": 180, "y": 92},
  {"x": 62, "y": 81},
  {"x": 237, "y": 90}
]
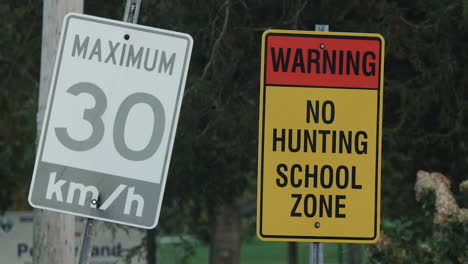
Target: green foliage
[
  {"x": 400, "y": 244},
  {"x": 440, "y": 237},
  {"x": 425, "y": 96},
  {"x": 19, "y": 70},
  {"x": 214, "y": 158},
  {"x": 388, "y": 251}
]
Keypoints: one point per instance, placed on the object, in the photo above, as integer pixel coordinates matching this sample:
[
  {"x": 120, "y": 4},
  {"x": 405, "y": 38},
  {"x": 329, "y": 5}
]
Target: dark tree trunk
[
  {"x": 354, "y": 253},
  {"x": 292, "y": 253},
  {"x": 151, "y": 246},
  {"x": 340, "y": 253},
  {"x": 225, "y": 238}
]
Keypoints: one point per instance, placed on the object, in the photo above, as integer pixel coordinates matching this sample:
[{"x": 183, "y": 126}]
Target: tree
[
  {"x": 445, "y": 227},
  {"x": 214, "y": 159},
  {"x": 19, "y": 71},
  {"x": 424, "y": 95}
]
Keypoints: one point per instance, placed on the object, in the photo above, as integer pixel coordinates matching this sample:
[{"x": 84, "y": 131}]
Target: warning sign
[{"x": 320, "y": 133}]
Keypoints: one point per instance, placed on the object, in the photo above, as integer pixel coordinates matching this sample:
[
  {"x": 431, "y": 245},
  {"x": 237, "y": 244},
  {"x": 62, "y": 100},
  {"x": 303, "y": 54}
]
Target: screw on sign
[
  {"x": 320, "y": 133},
  {"x": 110, "y": 121}
]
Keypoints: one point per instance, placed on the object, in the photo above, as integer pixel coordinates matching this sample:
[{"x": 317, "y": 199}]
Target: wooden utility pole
[{"x": 54, "y": 233}]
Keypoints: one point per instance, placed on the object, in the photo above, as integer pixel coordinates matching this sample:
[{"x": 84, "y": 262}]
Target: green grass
[{"x": 253, "y": 251}]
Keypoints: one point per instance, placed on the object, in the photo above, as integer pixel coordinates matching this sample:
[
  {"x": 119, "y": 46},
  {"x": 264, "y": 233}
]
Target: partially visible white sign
[{"x": 16, "y": 236}]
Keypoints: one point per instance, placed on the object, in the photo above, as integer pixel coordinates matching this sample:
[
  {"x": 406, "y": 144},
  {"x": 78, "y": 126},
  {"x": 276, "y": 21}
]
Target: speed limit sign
[{"x": 110, "y": 121}]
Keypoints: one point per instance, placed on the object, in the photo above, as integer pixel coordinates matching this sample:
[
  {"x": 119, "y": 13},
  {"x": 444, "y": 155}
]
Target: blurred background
[{"x": 209, "y": 208}]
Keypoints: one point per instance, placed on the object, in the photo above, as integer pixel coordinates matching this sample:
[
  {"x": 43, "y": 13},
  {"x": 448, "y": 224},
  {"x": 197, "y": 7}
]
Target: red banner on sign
[{"x": 323, "y": 61}]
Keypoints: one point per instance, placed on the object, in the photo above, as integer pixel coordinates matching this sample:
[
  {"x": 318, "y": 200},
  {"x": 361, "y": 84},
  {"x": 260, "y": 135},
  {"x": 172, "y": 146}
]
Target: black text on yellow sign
[{"x": 320, "y": 131}]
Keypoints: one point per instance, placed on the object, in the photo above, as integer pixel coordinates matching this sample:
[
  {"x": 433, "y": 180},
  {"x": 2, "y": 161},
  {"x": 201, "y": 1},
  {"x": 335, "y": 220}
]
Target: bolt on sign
[
  {"x": 320, "y": 133},
  {"x": 110, "y": 121}
]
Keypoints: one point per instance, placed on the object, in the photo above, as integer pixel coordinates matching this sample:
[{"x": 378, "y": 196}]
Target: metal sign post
[
  {"x": 87, "y": 237},
  {"x": 316, "y": 253},
  {"x": 316, "y": 249},
  {"x": 132, "y": 9}
]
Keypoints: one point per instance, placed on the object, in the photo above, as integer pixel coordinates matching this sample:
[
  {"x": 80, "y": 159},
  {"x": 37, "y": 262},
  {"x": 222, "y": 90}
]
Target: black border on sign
[{"x": 378, "y": 90}]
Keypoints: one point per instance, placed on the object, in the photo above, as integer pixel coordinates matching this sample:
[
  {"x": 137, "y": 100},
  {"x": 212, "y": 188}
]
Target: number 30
[{"x": 93, "y": 116}]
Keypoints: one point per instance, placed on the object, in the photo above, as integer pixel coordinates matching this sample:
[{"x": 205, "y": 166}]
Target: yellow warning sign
[{"x": 320, "y": 132}]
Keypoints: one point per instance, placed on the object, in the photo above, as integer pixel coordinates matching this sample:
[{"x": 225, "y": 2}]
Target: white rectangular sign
[
  {"x": 110, "y": 244},
  {"x": 110, "y": 121}
]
